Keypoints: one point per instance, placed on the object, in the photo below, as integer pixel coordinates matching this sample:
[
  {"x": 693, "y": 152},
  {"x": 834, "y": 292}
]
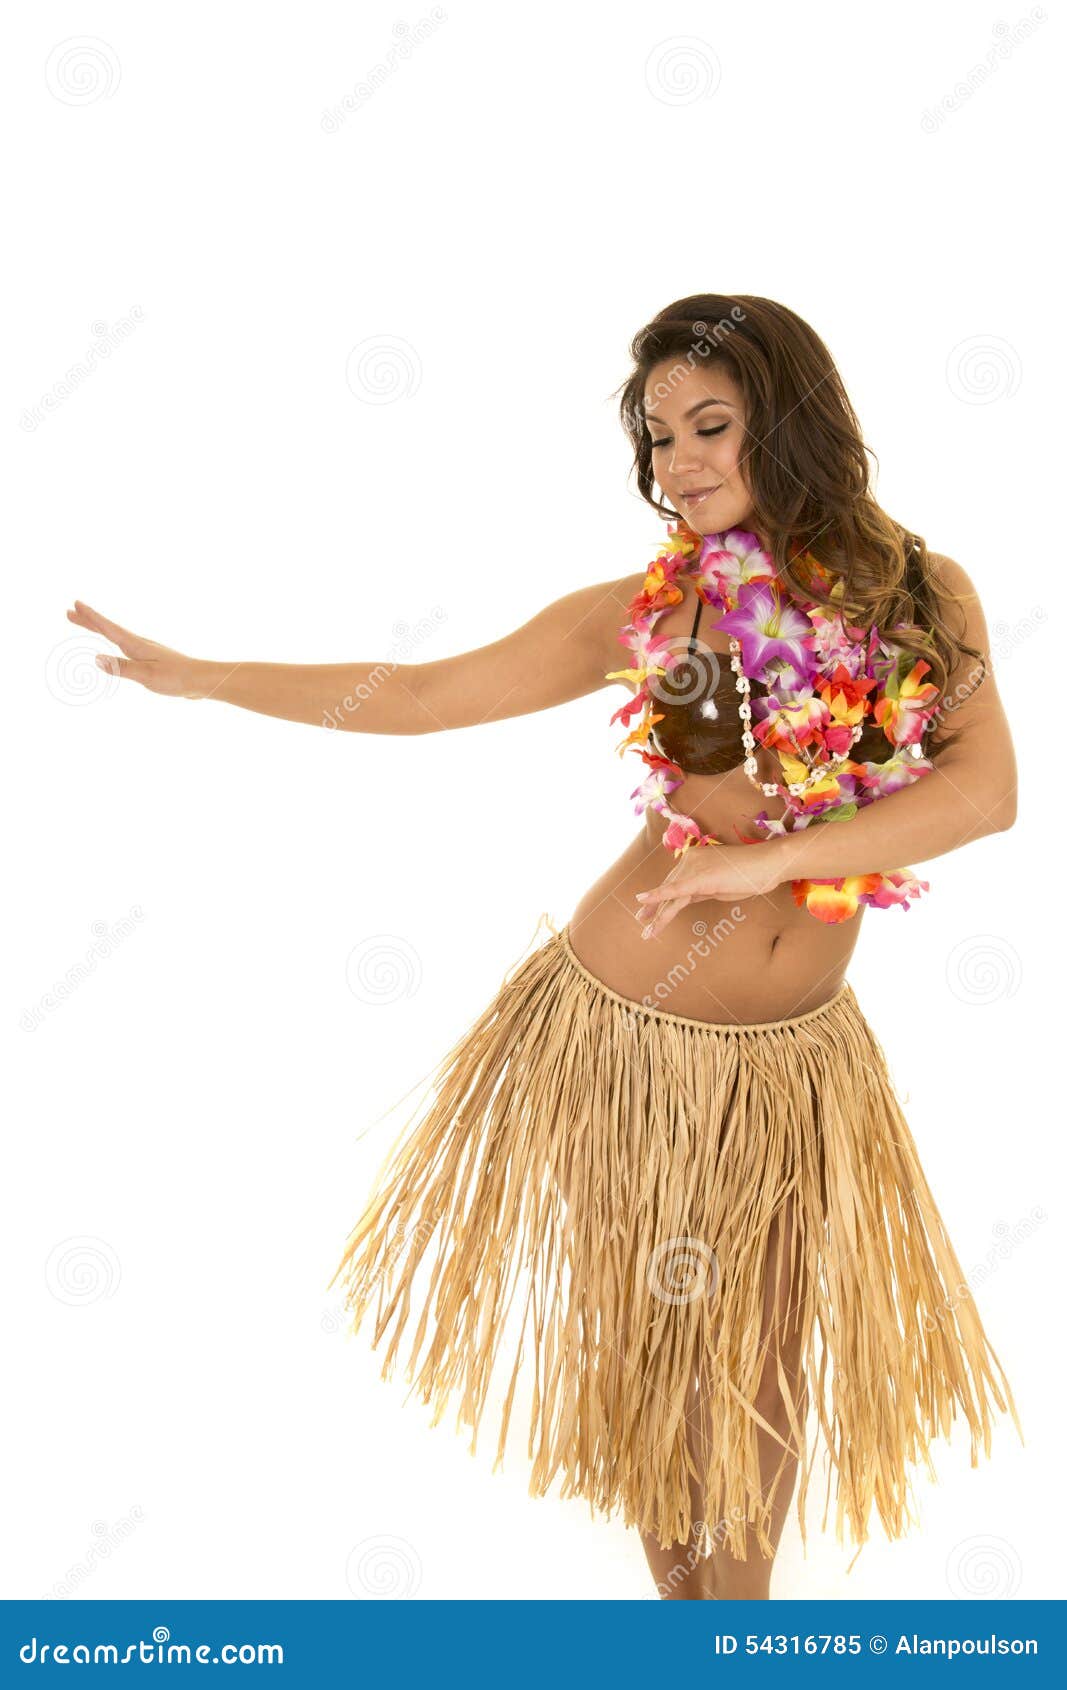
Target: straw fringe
[{"x": 655, "y": 1269}]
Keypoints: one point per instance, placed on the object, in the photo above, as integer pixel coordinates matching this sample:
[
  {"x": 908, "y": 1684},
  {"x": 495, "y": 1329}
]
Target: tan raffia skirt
[{"x": 678, "y": 1143}]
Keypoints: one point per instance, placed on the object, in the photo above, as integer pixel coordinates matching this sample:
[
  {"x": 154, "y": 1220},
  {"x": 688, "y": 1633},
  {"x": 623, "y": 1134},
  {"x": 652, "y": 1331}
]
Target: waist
[
  {"x": 757, "y": 959},
  {"x": 834, "y": 993}
]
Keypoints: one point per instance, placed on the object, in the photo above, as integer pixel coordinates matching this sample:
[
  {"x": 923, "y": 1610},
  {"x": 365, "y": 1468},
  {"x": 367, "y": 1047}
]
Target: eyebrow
[{"x": 693, "y": 409}]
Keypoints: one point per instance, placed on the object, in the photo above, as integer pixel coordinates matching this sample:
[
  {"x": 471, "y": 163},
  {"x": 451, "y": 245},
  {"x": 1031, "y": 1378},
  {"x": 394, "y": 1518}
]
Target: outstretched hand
[
  {"x": 157, "y": 667},
  {"x": 729, "y": 873}
]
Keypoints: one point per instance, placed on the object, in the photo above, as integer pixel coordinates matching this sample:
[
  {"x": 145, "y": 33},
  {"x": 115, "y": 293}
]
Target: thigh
[{"x": 786, "y": 1308}]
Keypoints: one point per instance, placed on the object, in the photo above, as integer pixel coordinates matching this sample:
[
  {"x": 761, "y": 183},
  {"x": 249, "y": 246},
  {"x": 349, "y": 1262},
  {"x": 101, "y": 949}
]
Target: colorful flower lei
[{"x": 825, "y": 680}]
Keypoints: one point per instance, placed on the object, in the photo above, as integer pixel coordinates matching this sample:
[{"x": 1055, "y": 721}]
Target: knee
[{"x": 770, "y": 1399}]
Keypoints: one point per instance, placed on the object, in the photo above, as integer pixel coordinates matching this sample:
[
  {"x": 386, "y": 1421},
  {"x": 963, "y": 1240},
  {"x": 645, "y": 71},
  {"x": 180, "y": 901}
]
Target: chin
[{"x": 704, "y": 525}]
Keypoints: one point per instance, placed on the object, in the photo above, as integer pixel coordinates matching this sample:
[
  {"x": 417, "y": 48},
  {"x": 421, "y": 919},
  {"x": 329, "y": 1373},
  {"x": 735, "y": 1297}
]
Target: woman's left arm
[{"x": 970, "y": 791}]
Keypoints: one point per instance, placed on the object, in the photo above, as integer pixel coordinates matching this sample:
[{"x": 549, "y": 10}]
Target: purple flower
[{"x": 770, "y": 630}]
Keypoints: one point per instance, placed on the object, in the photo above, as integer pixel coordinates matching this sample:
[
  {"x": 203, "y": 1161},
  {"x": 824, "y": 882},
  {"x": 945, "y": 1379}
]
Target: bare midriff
[{"x": 761, "y": 958}]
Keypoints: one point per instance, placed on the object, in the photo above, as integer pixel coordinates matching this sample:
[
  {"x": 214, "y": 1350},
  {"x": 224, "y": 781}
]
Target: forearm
[
  {"x": 939, "y": 812},
  {"x": 360, "y": 697}
]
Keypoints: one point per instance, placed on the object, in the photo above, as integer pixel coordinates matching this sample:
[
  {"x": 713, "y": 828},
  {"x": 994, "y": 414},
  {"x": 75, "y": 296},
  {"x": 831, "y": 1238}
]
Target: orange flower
[
  {"x": 639, "y": 735},
  {"x": 846, "y": 697},
  {"x": 834, "y": 900}
]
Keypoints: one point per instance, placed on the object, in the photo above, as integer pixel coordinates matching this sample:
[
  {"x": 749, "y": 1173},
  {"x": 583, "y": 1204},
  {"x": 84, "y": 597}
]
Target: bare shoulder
[
  {"x": 964, "y": 617},
  {"x": 594, "y": 617},
  {"x": 958, "y": 597},
  {"x": 949, "y": 576},
  {"x": 615, "y": 597},
  {"x": 613, "y": 615}
]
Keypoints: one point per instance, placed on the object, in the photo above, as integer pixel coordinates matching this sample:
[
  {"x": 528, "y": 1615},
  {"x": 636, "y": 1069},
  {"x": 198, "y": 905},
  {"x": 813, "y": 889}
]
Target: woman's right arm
[{"x": 561, "y": 653}]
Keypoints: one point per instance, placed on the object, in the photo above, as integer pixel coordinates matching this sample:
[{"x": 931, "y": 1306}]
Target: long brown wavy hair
[{"x": 806, "y": 466}]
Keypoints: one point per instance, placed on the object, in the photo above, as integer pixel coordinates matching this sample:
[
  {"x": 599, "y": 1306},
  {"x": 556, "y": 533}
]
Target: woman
[{"x": 673, "y": 1121}]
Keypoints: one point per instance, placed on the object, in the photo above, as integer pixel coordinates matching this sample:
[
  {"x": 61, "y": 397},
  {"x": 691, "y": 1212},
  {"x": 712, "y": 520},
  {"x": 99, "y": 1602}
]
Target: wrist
[
  {"x": 203, "y": 679},
  {"x": 784, "y": 852}
]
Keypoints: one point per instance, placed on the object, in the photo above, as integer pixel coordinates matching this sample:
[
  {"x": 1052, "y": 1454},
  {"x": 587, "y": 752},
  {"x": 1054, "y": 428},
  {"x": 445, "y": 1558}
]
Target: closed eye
[{"x": 719, "y": 430}]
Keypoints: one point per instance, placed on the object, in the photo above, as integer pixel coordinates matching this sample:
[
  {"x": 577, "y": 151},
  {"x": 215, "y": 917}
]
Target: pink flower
[
  {"x": 653, "y": 790},
  {"x": 896, "y": 887},
  {"x": 728, "y": 562},
  {"x": 790, "y": 723},
  {"x": 895, "y": 773},
  {"x": 829, "y": 643}
]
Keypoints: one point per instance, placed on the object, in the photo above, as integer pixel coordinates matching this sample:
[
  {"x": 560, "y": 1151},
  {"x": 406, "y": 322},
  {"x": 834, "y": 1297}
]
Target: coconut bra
[{"x": 832, "y": 697}]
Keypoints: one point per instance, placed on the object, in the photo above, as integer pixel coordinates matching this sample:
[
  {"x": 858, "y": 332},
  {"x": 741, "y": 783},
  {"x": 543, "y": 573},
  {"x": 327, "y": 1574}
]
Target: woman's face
[{"x": 695, "y": 422}]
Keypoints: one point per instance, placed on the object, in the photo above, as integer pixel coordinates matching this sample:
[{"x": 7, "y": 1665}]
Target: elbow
[
  {"x": 988, "y": 801},
  {"x": 1007, "y": 804},
  {"x": 1007, "y": 820},
  {"x": 1001, "y": 811}
]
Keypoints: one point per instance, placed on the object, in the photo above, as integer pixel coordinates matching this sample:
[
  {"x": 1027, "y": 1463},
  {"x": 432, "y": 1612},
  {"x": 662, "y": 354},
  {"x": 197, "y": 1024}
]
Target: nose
[{"x": 684, "y": 459}]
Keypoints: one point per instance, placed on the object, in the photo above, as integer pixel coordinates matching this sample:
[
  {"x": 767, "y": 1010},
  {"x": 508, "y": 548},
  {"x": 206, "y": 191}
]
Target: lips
[{"x": 699, "y": 493}]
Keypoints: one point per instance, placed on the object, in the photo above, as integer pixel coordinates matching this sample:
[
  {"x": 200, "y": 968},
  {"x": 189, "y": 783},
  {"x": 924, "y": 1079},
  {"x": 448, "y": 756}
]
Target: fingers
[
  {"x": 121, "y": 666},
  {"x": 656, "y": 895},
  {"x": 665, "y": 913},
  {"x": 86, "y": 617},
  {"x": 660, "y": 905}
]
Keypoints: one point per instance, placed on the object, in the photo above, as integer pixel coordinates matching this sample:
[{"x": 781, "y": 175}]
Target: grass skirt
[{"x": 679, "y": 1143}]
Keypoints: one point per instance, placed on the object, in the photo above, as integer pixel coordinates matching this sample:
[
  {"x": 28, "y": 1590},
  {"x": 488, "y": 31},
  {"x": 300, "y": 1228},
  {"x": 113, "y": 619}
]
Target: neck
[{"x": 743, "y": 527}]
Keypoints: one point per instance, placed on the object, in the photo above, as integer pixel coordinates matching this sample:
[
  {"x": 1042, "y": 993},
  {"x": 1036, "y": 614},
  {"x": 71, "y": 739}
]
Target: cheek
[{"x": 732, "y": 460}]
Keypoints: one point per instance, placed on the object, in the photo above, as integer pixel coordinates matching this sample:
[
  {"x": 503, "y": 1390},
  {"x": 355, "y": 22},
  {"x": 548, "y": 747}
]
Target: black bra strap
[{"x": 696, "y": 619}]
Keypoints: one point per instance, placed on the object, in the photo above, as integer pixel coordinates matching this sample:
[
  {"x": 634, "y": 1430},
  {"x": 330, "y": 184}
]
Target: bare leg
[
  {"x": 682, "y": 1572},
  {"x": 730, "y": 1578}
]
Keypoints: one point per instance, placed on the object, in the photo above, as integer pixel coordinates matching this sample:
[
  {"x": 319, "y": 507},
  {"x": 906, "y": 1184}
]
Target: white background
[{"x": 193, "y": 1125}]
